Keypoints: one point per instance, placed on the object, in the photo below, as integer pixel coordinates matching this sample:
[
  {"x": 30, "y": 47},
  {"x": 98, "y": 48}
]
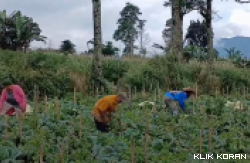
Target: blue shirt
[{"x": 180, "y": 97}]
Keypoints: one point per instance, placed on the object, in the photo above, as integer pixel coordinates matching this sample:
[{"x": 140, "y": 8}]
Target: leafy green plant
[
  {"x": 67, "y": 132},
  {"x": 18, "y": 31}
]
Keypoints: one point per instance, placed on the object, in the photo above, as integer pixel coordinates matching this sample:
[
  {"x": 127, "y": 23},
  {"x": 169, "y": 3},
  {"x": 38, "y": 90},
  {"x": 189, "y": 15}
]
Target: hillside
[{"x": 240, "y": 43}]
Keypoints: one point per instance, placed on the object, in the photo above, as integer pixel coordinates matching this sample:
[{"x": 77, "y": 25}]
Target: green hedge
[{"x": 51, "y": 73}]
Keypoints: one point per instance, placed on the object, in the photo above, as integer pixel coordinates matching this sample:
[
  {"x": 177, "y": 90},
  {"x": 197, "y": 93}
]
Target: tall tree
[
  {"x": 127, "y": 31},
  {"x": 177, "y": 30},
  {"x": 197, "y": 34},
  {"x": 179, "y": 8},
  {"x": 143, "y": 37},
  {"x": 108, "y": 49},
  {"x": 97, "y": 67},
  {"x": 67, "y": 47},
  {"x": 167, "y": 35},
  {"x": 17, "y": 31},
  {"x": 205, "y": 9}
]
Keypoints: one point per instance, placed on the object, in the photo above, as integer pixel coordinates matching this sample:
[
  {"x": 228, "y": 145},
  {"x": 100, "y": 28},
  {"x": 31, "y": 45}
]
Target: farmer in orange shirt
[{"x": 103, "y": 109}]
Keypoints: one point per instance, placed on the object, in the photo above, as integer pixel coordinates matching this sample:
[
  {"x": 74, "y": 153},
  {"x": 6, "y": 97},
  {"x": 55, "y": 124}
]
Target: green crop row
[{"x": 66, "y": 133}]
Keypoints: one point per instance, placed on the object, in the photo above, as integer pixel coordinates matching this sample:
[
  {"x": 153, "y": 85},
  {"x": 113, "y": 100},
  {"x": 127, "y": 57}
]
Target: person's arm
[
  {"x": 103, "y": 107},
  {"x": 22, "y": 101},
  {"x": 111, "y": 113},
  {"x": 2, "y": 99}
]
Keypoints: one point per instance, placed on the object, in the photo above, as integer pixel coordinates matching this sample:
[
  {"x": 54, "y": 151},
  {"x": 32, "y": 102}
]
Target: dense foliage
[
  {"x": 55, "y": 74},
  {"x": 238, "y": 58},
  {"x": 108, "y": 49},
  {"x": 18, "y": 31},
  {"x": 127, "y": 31},
  {"x": 67, "y": 133},
  {"x": 67, "y": 47},
  {"x": 197, "y": 34}
]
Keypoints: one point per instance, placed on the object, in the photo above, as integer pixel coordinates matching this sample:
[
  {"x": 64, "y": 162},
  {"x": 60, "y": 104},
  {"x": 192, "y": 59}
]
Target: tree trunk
[
  {"x": 210, "y": 34},
  {"x": 141, "y": 43},
  {"x": 177, "y": 41},
  {"x": 180, "y": 37},
  {"x": 131, "y": 46},
  {"x": 174, "y": 12},
  {"x": 97, "y": 69}
]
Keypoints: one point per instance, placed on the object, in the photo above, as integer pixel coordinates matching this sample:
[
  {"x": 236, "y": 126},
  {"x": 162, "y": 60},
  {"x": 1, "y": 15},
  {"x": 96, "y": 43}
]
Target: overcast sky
[{"x": 72, "y": 19}]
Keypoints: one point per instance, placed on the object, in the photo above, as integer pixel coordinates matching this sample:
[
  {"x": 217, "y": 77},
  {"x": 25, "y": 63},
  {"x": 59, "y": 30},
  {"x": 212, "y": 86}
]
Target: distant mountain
[{"x": 240, "y": 43}]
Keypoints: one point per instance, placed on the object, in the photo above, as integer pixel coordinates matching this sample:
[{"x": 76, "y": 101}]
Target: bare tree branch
[{"x": 143, "y": 37}]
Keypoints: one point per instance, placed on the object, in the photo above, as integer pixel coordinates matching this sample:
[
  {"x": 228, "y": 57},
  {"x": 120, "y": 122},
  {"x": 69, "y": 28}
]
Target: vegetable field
[{"x": 60, "y": 131}]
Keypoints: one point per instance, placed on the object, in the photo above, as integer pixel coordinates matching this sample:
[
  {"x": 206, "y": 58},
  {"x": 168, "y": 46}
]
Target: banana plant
[
  {"x": 26, "y": 31},
  {"x": 3, "y": 31},
  {"x": 18, "y": 31},
  {"x": 237, "y": 58}
]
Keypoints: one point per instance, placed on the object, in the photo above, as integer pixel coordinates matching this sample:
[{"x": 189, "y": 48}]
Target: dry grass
[
  {"x": 125, "y": 58},
  {"x": 203, "y": 77},
  {"x": 80, "y": 81},
  {"x": 217, "y": 64}
]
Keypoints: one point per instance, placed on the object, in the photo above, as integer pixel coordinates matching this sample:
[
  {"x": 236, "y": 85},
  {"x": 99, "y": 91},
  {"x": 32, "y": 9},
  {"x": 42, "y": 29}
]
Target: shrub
[
  {"x": 113, "y": 70},
  {"x": 233, "y": 79},
  {"x": 58, "y": 74}
]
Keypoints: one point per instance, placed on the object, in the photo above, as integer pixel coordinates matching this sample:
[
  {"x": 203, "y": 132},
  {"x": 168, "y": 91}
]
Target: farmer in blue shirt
[{"x": 172, "y": 97}]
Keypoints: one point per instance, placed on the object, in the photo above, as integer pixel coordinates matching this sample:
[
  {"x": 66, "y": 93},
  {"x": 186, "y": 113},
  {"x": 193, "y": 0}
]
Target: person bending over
[
  {"x": 13, "y": 99},
  {"x": 172, "y": 97},
  {"x": 103, "y": 109}
]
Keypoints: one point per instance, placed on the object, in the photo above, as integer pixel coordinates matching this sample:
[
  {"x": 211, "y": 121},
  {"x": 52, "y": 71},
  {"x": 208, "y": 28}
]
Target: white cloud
[
  {"x": 240, "y": 18},
  {"x": 67, "y": 20},
  {"x": 236, "y": 24}
]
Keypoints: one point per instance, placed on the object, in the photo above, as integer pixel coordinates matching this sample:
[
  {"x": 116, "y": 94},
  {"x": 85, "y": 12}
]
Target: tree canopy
[
  {"x": 127, "y": 31},
  {"x": 197, "y": 34},
  {"x": 67, "y": 47},
  {"x": 18, "y": 31},
  {"x": 108, "y": 49}
]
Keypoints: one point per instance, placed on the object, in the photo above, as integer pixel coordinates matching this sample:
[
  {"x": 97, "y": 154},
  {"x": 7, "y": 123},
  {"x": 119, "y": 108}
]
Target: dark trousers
[
  {"x": 13, "y": 102},
  {"x": 101, "y": 126}
]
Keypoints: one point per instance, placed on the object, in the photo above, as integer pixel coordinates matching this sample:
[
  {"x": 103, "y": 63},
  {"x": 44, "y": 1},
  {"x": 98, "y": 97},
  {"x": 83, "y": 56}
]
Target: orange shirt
[{"x": 105, "y": 105}]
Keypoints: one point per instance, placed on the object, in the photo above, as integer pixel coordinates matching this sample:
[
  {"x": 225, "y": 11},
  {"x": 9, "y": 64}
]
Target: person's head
[
  {"x": 189, "y": 91},
  {"x": 6, "y": 83},
  {"x": 121, "y": 97}
]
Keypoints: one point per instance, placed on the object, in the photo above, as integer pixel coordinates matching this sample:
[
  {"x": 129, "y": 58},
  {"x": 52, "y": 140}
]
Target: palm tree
[{"x": 26, "y": 31}]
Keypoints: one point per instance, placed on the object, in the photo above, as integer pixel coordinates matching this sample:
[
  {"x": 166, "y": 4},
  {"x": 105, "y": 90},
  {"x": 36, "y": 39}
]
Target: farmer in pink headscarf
[{"x": 12, "y": 99}]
